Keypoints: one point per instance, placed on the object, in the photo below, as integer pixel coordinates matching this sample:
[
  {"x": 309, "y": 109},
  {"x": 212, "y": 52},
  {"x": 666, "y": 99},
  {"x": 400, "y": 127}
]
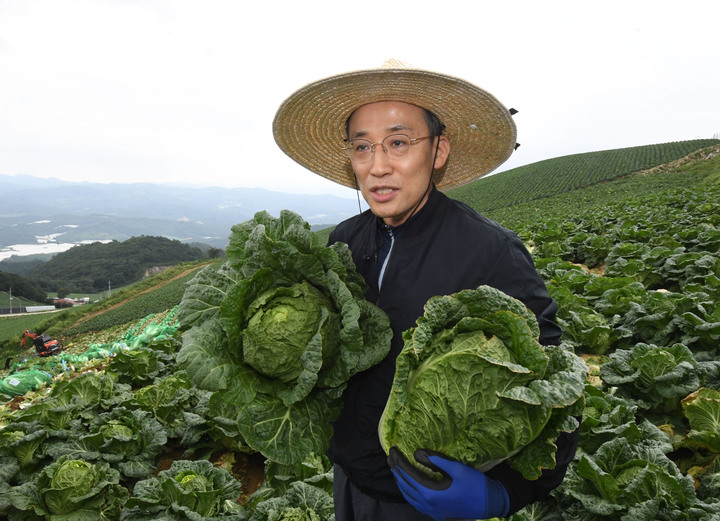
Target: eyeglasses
[{"x": 396, "y": 146}]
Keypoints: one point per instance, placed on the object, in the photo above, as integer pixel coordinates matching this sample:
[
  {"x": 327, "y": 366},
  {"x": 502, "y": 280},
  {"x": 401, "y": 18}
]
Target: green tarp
[
  {"x": 19, "y": 383},
  {"x": 25, "y": 380}
]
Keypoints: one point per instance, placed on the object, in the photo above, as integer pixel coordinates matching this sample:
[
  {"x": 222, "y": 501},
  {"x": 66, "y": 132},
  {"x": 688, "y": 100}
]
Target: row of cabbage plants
[
  {"x": 131, "y": 435},
  {"x": 128, "y": 436},
  {"x": 638, "y": 288}
]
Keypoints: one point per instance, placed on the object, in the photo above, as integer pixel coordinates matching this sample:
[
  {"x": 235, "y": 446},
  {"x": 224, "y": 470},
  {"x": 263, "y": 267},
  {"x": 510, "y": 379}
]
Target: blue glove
[{"x": 463, "y": 492}]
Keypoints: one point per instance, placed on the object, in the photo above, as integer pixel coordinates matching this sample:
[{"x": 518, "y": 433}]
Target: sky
[{"x": 184, "y": 92}]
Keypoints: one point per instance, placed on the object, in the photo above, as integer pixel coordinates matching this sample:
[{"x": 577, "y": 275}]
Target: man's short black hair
[{"x": 435, "y": 126}]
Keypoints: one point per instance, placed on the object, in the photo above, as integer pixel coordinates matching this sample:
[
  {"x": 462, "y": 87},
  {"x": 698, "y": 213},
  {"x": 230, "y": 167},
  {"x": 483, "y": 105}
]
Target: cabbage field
[{"x": 120, "y": 431}]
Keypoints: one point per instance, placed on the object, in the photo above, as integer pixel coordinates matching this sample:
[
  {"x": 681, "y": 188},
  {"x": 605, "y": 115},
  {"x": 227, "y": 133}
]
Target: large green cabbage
[
  {"x": 277, "y": 331},
  {"x": 473, "y": 382},
  {"x": 188, "y": 490},
  {"x": 69, "y": 488}
]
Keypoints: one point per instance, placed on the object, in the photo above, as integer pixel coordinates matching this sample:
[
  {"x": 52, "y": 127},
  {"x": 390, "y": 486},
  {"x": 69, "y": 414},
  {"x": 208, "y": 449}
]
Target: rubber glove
[{"x": 463, "y": 492}]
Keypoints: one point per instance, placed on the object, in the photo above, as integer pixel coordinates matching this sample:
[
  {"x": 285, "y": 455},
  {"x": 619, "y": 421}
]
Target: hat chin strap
[{"x": 429, "y": 186}]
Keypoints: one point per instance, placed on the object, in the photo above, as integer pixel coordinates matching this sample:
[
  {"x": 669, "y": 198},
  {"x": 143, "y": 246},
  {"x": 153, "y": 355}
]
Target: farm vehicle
[{"x": 44, "y": 344}]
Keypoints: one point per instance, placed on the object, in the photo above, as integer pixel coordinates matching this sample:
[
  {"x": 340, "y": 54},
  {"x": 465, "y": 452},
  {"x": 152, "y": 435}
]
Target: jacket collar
[{"x": 424, "y": 213}]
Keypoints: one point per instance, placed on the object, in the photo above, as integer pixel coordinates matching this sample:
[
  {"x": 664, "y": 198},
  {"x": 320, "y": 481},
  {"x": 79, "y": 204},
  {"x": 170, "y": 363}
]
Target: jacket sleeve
[{"x": 515, "y": 274}]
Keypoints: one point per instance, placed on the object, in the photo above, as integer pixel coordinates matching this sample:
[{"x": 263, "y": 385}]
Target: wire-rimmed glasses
[{"x": 396, "y": 146}]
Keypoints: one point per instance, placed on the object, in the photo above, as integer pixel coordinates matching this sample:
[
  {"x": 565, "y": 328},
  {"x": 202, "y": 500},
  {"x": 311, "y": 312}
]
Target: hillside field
[{"x": 630, "y": 250}]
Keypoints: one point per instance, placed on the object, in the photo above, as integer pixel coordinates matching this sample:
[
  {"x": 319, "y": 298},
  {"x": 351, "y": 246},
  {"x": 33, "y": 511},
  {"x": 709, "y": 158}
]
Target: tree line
[{"x": 91, "y": 268}]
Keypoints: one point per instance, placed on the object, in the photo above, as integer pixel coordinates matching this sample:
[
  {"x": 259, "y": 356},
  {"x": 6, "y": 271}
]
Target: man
[{"x": 399, "y": 135}]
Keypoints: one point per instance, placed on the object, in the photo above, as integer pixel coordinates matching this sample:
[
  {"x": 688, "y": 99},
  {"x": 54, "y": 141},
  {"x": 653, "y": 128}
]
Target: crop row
[
  {"x": 638, "y": 288},
  {"x": 568, "y": 173},
  {"x": 127, "y": 433},
  {"x": 144, "y": 304}
]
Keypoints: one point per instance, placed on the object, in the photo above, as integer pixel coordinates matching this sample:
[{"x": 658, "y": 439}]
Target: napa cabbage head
[
  {"x": 129, "y": 439},
  {"x": 187, "y": 490},
  {"x": 69, "y": 488},
  {"x": 283, "y": 322},
  {"x": 277, "y": 331},
  {"x": 474, "y": 383}
]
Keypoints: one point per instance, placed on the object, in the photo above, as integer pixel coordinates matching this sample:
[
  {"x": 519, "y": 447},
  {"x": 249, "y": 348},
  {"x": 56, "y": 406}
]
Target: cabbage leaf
[
  {"x": 277, "y": 331},
  {"x": 473, "y": 382}
]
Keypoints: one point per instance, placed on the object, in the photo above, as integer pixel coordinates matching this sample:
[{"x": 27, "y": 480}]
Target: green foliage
[
  {"x": 301, "y": 492},
  {"x": 702, "y": 409},
  {"x": 301, "y": 502},
  {"x": 621, "y": 471},
  {"x": 12, "y": 327},
  {"x": 653, "y": 377},
  {"x": 132, "y": 439},
  {"x": 21, "y": 287},
  {"x": 132, "y": 309},
  {"x": 324, "y": 234},
  {"x": 176, "y": 404},
  {"x": 473, "y": 382},
  {"x": 596, "y": 198},
  {"x": 655, "y": 293},
  {"x": 569, "y": 173},
  {"x": 89, "y": 267},
  {"x": 69, "y": 489},
  {"x": 152, "y": 295},
  {"x": 640, "y": 252},
  {"x": 277, "y": 331},
  {"x": 188, "y": 490}
]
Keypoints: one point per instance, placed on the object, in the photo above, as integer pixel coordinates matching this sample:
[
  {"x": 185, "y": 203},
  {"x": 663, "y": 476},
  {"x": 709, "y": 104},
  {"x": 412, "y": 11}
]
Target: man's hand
[{"x": 463, "y": 492}]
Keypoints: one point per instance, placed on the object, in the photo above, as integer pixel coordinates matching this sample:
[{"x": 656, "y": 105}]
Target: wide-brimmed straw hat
[{"x": 310, "y": 125}]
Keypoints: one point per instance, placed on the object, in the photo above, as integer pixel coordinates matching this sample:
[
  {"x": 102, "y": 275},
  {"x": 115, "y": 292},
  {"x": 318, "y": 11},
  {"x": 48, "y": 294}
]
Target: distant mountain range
[
  {"x": 60, "y": 213},
  {"x": 34, "y": 210}
]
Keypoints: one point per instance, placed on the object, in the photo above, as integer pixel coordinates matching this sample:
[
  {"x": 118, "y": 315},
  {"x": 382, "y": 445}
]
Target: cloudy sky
[{"x": 181, "y": 91}]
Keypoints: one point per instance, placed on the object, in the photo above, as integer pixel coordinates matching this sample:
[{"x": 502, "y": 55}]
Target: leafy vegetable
[
  {"x": 702, "y": 409},
  {"x": 131, "y": 439},
  {"x": 316, "y": 470},
  {"x": 629, "y": 478},
  {"x": 473, "y": 382},
  {"x": 295, "y": 493},
  {"x": 653, "y": 377},
  {"x": 605, "y": 417},
  {"x": 69, "y": 489},
  {"x": 72, "y": 401},
  {"x": 188, "y": 490},
  {"x": 21, "y": 441},
  {"x": 174, "y": 402},
  {"x": 137, "y": 367},
  {"x": 277, "y": 331},
  {"x": 301, "y": 502}
]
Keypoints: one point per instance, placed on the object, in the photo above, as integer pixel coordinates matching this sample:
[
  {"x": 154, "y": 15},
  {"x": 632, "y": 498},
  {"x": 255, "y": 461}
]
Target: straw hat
[{"x": 310, "y": 125}]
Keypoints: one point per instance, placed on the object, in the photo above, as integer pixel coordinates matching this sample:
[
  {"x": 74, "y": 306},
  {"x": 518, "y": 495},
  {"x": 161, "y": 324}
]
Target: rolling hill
[
  {"x": 90, "y": 267},
  {"x": 569, "y": 173}
]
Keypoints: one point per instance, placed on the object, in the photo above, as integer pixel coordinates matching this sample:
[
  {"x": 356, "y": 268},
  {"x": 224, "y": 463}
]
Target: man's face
[{"x": 393, "y": 187}]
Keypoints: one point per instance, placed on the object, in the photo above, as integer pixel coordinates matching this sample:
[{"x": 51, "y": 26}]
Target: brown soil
[{"x": 248, "y": 469}]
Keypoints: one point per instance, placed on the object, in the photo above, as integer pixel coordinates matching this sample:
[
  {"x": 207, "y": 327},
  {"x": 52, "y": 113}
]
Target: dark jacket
[{"x": 444, "y": 248}]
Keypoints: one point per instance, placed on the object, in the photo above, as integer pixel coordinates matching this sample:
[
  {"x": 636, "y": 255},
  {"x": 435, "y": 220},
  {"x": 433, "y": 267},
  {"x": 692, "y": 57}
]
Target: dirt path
[{"x": 135, "y": 295}]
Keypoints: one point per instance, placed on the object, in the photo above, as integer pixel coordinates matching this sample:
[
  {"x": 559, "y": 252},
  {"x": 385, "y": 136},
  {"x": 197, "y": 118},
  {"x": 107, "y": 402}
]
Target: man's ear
[{"x": 443, "y": 151}]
